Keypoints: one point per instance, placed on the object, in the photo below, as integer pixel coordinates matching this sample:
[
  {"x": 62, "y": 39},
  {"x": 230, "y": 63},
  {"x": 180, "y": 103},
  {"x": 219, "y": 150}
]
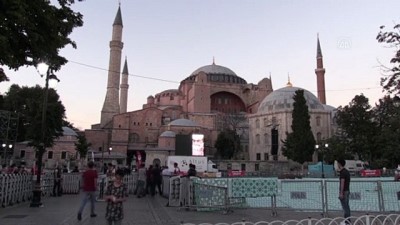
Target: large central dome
[
  {"x": 282, "y": 99},
  {"x": 214, "y": 69},
  {"x": 216, "y": 73}
]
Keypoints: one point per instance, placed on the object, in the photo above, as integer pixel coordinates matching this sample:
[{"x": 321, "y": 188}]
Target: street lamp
[
  {"x": 44, "y": 70},
  {"x": 109, "y": 150},
  {"x": 5, "y": 152},
  {"x": 322, "y": 149}
]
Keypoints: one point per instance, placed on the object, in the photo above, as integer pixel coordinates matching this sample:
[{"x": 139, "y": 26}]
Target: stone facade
[{"x": 62, "y": 152}]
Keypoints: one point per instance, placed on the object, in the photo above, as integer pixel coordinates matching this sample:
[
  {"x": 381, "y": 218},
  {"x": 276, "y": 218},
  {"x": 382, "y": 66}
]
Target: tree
[
  {"x": 387, "y": 116},
  {"x": 357, "y": 128},
  {"x": 299, "y": 144},
  {"x": 82, "y": 146},
  {"x": 227, "y": 144},
  {"x": 391, "y": 81},
  {"x": 28, "y": 103},
  {"x": 35, "y": 31}
]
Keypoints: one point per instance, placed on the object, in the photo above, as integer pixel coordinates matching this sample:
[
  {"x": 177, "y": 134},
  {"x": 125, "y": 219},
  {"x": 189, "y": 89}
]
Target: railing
[
  {"x": 17, "y": 188},
  {"x": 392, "y": 219},
  {"x": 367, "y": 195}
]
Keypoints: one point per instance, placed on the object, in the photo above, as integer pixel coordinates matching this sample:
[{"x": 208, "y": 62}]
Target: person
[
  {"x": 65, "y": 169},
  {"x": 177, "y": 171},
  {"x": 192, "y": 170},
  {"x": 344, "y": 190},
  {"x": 75, "y": 170},
  {"x": 141, "y": 181},
  {"x": 149, "y": 179},
  {"x": 116, "y": 194},
  {"x": 89, "y": 181},
  {"x": 111, "y": 172},
  {"x": 57, "y": 182},
  {"x": 104, "y": 168},
  {"x": 157, "y": 179}
]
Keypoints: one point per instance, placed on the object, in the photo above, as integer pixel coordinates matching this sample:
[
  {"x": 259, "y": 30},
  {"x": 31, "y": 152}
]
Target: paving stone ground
[{"x": 140, "y": 211}]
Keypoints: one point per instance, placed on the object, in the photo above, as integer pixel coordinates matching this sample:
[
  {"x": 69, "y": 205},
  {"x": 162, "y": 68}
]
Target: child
[{"x": 116, "y": 194}]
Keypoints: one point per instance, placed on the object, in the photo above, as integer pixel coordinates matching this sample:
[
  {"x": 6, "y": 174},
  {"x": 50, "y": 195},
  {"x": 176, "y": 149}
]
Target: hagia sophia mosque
[{"x": 198, "y": 105}]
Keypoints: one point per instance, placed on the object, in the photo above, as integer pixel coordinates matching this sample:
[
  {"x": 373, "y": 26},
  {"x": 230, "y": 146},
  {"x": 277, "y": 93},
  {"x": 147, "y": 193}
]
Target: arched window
[
  {"x": 257, "y": 123},
  {"x": 134, "y": 138},
  {"x": 265, "y": 122},
  {"x": 258, "y": 139}
]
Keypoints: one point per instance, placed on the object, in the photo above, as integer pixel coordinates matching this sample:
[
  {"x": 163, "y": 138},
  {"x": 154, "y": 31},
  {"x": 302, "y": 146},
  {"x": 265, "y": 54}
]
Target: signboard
[
  {"x": 236, "y": 173},
  {"x": 371, "y": 173},
  {"x": 183, "y": 163},
  {"x": 198, "y": 144}
]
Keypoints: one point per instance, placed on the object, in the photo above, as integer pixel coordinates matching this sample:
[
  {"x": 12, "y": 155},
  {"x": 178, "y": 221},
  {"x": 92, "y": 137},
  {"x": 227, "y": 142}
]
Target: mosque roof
[
  {"x": 168, "y": 133},
  {"x": 217, "y": 73},
  {"x": 214, "y": 69},
  {"x": 183, "y": 123},
  {"x": 282, "y": 99},
  {"x": 68, "y": 132}
]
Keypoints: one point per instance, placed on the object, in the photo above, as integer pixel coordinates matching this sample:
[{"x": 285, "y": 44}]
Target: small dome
[
  {"x": 150, "y": 97},
  {"x": 168, "y": 133},
  {"x": 282, "y": 99},
  {"x": 183, "y": 123},
  {"x": 69, "y": 132}
]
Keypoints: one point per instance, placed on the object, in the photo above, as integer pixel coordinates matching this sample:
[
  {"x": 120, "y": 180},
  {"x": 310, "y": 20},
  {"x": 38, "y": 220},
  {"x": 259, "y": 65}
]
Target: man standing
[
  {"x": 89, "y": 180},
  {"x": 57, "y": 190},
  {"x": 344, "y": 189}
]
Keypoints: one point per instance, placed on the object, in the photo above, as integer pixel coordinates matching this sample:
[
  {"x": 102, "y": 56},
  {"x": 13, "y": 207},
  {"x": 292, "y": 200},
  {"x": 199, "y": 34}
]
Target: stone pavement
[{"x": 141, "y": 211}]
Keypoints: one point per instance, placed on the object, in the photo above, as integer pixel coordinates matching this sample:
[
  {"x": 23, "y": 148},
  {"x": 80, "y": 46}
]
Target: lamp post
[
  {"x": 43, "y": 70},
  {"x": 5, "y": 152},
  {"x": 322, "y": 149}
]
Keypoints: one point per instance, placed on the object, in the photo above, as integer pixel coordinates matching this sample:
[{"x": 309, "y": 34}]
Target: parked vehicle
[{"x": 353, "y": 166}]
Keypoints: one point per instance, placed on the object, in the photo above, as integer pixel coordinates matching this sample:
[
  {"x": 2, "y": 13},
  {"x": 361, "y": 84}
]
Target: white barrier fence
[
  {"x": 17, "y": 188},
  {"x": 391, "y": 219}
]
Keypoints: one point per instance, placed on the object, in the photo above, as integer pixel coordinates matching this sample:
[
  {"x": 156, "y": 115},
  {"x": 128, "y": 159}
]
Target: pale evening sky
[{"x": 168, "y": 40}]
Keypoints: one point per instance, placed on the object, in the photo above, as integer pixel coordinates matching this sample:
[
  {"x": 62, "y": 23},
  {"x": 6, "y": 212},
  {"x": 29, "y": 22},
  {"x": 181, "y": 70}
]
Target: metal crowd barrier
[{"x": 15, "y": 188}]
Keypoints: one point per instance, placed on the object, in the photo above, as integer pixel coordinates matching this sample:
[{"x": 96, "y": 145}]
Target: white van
[{"x": 353, "y": 166}]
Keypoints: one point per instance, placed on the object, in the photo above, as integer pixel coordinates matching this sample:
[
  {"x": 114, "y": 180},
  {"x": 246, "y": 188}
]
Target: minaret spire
[
  {"x": 124, "y": 88},
  {"x": 320, "y": 72},
  {"x": 111, "y": 102}
]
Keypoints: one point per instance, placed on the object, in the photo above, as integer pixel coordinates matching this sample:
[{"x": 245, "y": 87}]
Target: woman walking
[{"x": 116, "y": 194}]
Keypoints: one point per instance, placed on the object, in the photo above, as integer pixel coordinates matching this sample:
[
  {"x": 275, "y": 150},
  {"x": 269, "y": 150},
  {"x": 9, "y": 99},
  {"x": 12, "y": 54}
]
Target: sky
[{"x": 165, "y": 41}]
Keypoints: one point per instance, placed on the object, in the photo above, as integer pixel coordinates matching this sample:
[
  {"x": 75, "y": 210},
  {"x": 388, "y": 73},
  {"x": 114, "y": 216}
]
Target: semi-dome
[
  {"x": 217, "y": 73},
  {"x": 168, "y": 133},
  {"x": 68, "y": 132},
  {"x": 183, "y": 123},
  {"x": 282, "y": 99}
]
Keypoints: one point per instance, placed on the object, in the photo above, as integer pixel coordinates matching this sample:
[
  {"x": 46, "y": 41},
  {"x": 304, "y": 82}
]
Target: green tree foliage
[
  {"x": 299, "y": 144},
  {"x": 28, "y": 103},
  {"x": 357, "y": 128},
  {"x": 227, "y": 144},
  {"x": 82, "y": 146},
  {"x": 35, "y": 30},
  {"x": 391, "y": 81},
  {"x": 387, "y": 116}
]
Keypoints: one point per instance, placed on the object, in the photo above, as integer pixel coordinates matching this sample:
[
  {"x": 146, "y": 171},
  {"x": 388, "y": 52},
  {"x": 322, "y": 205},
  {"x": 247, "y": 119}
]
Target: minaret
[
  {"x": 123, "y": 103},
  {"x": 111, "y": 102},
  {"x": 320, "y": 72}
]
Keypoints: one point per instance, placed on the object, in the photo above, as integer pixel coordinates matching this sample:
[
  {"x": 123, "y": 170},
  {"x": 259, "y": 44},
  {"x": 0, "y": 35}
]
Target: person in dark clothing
[
  {"x": 149, "y": 179},
  {"x": 192, "y": 170},
  {"x": 344, "y": 189},
  {"x": 157, "y": 179},
  {"x": 57, "y": 182}
]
